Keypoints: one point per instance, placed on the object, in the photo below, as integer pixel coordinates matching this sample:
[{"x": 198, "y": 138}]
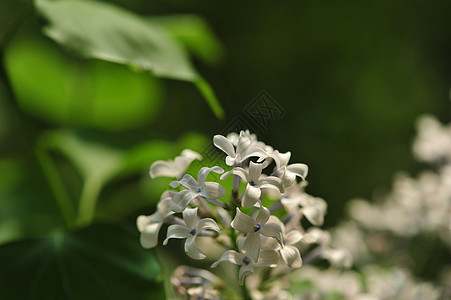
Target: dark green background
[{"x": 351, "y": 76}]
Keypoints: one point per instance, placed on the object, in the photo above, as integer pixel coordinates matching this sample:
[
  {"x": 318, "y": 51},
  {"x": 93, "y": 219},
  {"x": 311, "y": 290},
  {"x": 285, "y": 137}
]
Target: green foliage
[
  {"x": 104, "y": 31},
  {"x": 92, "y": 93},
  {"x": 195, "y": 35},
  {"x": 102, "y": 261}
]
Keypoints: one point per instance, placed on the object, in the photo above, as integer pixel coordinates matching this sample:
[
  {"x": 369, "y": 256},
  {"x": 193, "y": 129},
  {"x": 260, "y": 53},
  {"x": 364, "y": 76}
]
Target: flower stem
[
  {"x": 88, "y": 201},
  {"x": 245, "y": 292}
]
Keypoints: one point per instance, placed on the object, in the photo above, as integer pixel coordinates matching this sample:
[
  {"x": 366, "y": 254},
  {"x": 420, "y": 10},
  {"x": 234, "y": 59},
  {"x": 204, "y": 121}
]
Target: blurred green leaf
[
  {"x": 89, "y": 93},
  {"x": 92, "y": 159},
  {"x": 100, "y": 163},
  {"x": 194, "y": 33},
  {"x": 104, "y": 31},
  {"x": 102, "y": 261}
]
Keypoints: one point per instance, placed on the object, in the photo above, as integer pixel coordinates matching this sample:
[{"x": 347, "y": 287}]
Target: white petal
[
  {"x": 225, "y": 175},
  {"x": 284, "y": 158},
  {"x": 230, "y": 256},
  {"x": 203, "y": 173},
  {"x": 224, "y": 144},
  {"x": 149, "y": 235},
  {"x": 300, "y": 170},
  {"x": 293, "y": 237},
  {"x": 263, "y": 216},
  {"x": 192, "y": 250},
  {"x": 242, "y": 222},
  {"x": 288, "y": 178},
  {"x": 314, "y": 215},
  {"x": 181, "y": 164},
  {"x": 213, "y": 190},
  {"x": 244, "y": 271},
  {"x": 230, "y": 161},
  {"x": 189, "y": 182},
  {"x": 176, "y": 232},
  {"x": 190, "y": 217},
  {"x": 174, "y": 184},
  {"x": 208, "y": 223},
  {"x": 272, "y": 230},
  {"x": 181, "y": 200},
  {"x": 252, "y": 245},
  {"x": 268, "y": 258},
  {"x": 141, "y": 222},
  {"x": 255, "y": 152},
  {"x": 291, "y": 256},
  {"x": 162, "y": 168},
  {"x": 255, "y": 170},
  {"x": 250, "y": 196},
  {"x": 240, "y": 172},
  {"x": 163, "y": 206},
  {"x": 190, "y": 154},
  {"x": 269, "y": 243},
  {"x": 271, "y": 182},
  {"x": 281, "y": 159},
  {"x": 243, "y": 143}
]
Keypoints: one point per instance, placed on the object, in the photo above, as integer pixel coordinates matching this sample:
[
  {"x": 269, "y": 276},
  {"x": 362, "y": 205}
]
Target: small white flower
[
  {"x": 149, "y": 226},
  {"x": 339, "y": 258},
  {"x": 267, "y": 258},
  {"x": 206, "y": 189},
  {"x": 288, "y": 173},
  {"x": 254, "y": 228},
  {"x": 193, "y": 227},
  {"x": 313, "y": 208},
  {"x": 288, "y": 251},
  {"x": 245, "y": 147},
  {"x": 176, "y": 167},
  {"x": 254, "y": 185}
]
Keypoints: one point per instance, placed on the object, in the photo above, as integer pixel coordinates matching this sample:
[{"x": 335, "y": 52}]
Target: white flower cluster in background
[
  {"x": 259, "y": 223},
  {"x": 421, "y": 204},
  {"x": 415, "y": 208}
]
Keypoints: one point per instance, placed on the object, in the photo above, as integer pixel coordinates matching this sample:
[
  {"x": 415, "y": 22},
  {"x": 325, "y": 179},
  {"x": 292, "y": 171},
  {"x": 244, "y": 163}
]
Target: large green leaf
[
  {"x": 104, "y": 31},
  {"x": 102, "y": 261},
  {"x": 85, "y": 93},
  {"x": 195, "y": 34}
]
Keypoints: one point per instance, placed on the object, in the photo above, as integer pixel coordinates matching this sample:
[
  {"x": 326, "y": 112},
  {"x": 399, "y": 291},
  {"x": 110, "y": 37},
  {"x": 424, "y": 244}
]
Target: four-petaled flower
[
  {"x": 255, "y": 183},
  {"x": 149, "y": 226},
  {"x": 313, "y": 208},
  {"x": 288, "y": 173},
  {"x": 288, "y": 251},
  {"x": 254, "y": 228},
  {"x": 267, "y": 258},
  {"x": 246, "y": 147},
  {"x": 193, "y": 227},
  {"x": 205, "y": 189},
  {"x": 176, "y": 167}
]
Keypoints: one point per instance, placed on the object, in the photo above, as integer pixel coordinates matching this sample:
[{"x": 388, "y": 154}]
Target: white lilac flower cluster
[
  {"x": 251, "y": 235},
  {"x": 415, "y": 210},
  {"x": 420, "y": 204}
]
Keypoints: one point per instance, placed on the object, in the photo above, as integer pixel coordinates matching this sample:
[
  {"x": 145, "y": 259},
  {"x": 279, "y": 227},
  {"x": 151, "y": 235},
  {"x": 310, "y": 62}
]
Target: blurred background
[{"x": 352, "y": 78}]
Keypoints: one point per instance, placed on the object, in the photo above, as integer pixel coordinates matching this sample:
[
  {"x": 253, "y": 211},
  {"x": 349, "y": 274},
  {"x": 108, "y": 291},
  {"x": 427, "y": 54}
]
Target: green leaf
[
  {"x": 84, "y": 93},
  {"x": 92, "y": 159},
  {"x": 194, "y": 33},
  {"x": 102, "y": 261},
  {"x": 104, "y": 31}
]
